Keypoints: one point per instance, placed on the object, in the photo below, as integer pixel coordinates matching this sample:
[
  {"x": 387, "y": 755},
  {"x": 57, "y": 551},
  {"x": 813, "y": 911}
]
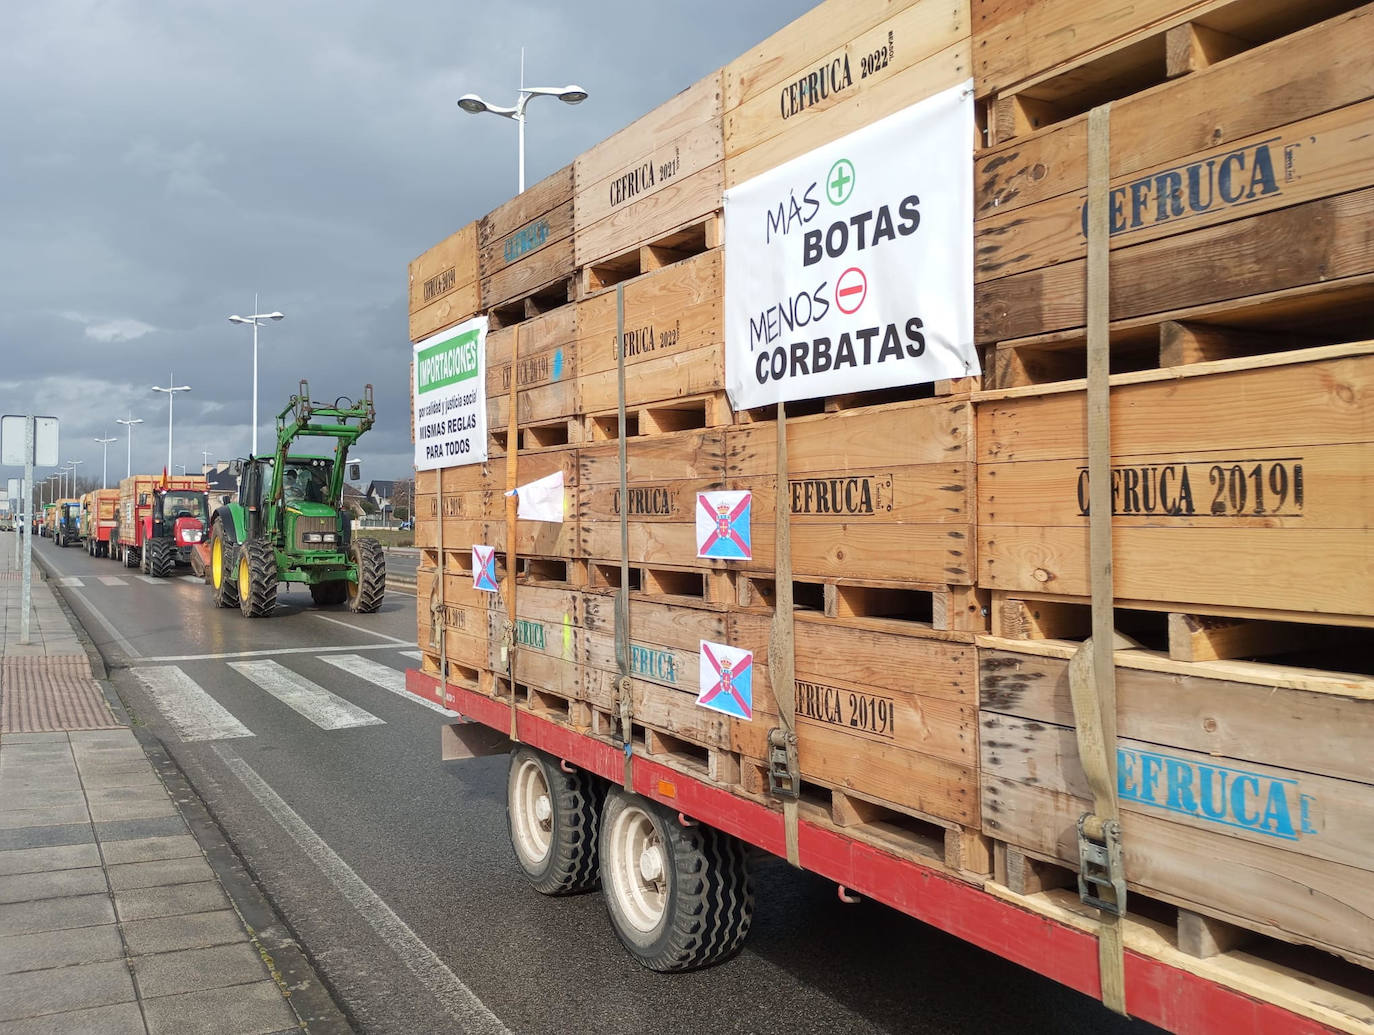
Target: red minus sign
[{"x": 852, "y": 290}]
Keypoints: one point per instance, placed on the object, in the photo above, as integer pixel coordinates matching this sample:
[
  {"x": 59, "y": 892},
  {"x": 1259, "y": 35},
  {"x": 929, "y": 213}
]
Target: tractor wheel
[
  {"x": 162, "y": 558},
  {"x": 679, "y": 897},
  {"x": 365, "y": 595},
  {"x": 130, "y": 556},
  {"x": 223, "y": 568},
  {"x": 257, "y": 578},
  {"x": 328, "y": 594}
]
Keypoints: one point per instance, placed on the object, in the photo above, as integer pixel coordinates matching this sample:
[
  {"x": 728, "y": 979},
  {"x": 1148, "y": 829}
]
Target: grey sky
[{"x": 164, "y": 159}]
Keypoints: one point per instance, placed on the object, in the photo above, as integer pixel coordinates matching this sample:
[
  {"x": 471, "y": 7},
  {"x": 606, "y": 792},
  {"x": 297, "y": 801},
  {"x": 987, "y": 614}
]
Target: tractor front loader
[{"x": 288, "y": 524}]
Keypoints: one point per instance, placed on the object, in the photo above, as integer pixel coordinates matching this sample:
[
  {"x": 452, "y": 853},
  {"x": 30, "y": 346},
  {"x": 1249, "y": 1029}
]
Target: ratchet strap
[
  {"x": 512, "y": 510},
  {"x": 624, "y": 686},
  {"x": 1092, "y": 670},
  {"x": 784, "y": 770}
]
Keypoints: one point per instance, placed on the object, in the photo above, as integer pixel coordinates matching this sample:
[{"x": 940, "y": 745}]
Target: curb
[{"x": 305, "y": 992}]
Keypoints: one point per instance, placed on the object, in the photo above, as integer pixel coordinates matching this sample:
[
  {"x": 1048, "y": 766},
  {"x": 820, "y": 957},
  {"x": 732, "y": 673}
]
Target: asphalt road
[{"x": 394, "y": 869}]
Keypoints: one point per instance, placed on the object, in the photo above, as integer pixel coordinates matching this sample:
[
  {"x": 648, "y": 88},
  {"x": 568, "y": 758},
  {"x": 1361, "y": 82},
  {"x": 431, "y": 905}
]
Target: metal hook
[
  {"x": 568, "y": 768},
  {"x": 685, "y": 821},
  {"x": 846, "y": 897}
]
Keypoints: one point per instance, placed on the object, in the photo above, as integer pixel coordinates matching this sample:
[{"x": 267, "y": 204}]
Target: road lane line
[
  {"x": 70, "y": 580},
  {"x": 150, "y": 580},
  {"x": 309, "y": 700},
  {"x": 193, "y": 713},
  {"x": 365, "y": 632},
  {"x": 414, "y": 655},
  {"x": 460, "y": 1001},
  {"x": 388, "y": 678},
  {"x": 112, "y": 580},
  {"x": 270, "y": 652},
  {"x": 130, "y": 651}
]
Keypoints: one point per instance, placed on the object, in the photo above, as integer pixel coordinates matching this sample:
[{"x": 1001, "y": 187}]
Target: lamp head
[
  {"x": 572, "y": 94},
  {"x": 472, "y": 104},
  {"x": 276, "y": 316},
  {"x": 238, "y": 319}
]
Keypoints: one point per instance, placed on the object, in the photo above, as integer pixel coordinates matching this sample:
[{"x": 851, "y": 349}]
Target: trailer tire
[
  {"x": 257, "y": 578},
  {"x": 130, "y": 557},
  {"x": 222, "y": 567},
  {"x": 365, "y": 596},
  {"x": 679, "y": 897},
  {"x": 162, "y": 558},
  {"x": 552, "y": 816},
  {"x": 329, "y": 594}
]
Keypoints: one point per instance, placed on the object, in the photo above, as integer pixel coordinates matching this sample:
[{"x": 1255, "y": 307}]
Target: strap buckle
[
  {"x": 784, "y": 777},
  {"x": 1101, "y": 872}
]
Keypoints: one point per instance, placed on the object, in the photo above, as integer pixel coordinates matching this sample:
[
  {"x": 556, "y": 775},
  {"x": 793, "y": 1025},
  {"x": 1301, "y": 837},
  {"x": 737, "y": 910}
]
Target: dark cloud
[{"x": 165, "y": 159}]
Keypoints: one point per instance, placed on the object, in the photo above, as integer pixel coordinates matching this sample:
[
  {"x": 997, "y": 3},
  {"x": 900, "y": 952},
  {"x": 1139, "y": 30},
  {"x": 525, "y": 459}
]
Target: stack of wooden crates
[{"x": 940, "y": 534}]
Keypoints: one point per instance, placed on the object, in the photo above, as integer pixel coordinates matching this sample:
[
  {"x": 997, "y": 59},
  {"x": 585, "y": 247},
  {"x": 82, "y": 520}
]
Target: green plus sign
[{"x": 839, "y": 184}]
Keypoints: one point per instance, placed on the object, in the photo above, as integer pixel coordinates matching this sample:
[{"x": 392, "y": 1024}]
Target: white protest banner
[
  {"x": 850, "y": 268},
  {"x": 541, "y": 500},
  {"x": 449, "y": 392}
]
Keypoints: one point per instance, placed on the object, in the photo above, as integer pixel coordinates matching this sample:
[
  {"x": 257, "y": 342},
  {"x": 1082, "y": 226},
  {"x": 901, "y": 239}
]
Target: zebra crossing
[
  {"x": 116, "y": 581},
  {"x": 196, "y": 715}
]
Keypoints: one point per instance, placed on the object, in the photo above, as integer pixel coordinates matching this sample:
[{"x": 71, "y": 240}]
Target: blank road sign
[{"x": 13, "y": 435}]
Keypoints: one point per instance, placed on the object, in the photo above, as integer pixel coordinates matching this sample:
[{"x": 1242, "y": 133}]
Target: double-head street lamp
[
  {"x": 71, "y": 486},
  {"x": 171, "y": 391},
  {"x": 256, "y": 321},
  {"x": 129, "y": 449},
  {"x": 105, "y": 461},
  {"x": 474, "y": 105}
]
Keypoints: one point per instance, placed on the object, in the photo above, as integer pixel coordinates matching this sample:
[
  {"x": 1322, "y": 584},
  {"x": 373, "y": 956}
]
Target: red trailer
[{"x": 99, "y": 510}]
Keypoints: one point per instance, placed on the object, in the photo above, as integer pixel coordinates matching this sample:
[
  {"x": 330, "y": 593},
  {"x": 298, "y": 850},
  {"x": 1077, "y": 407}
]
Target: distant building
[
  {"x": 222, "y": 484},
  {"x": 380, "y": 493}
]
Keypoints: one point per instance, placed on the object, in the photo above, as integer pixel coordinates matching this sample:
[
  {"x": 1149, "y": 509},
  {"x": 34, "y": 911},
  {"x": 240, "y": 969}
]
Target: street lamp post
[
  {"x": 474, "y": 105},
  {"x": 129, "y": 451},
  {"x": 105, "y": 461},
  {"x": 72, "y": 486},
  {"x": 256, "y": 321},
  {"x": 171, "y": 391}
]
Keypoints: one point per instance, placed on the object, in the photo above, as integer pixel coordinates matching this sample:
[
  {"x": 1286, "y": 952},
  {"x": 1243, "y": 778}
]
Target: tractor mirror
[
  {"x": 237, "y": 468},
  {"x": 355, "y": 471}
]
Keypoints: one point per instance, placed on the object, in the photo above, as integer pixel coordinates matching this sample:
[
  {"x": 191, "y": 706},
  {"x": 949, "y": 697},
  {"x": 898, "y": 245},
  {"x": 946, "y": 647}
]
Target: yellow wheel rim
[
  {"x": 217, "y": 562},
  {"x": 245, "y": 580}
]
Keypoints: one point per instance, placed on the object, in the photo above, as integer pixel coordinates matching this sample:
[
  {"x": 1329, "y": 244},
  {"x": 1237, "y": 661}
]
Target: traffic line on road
[
  {"x": 130, "y": 651},
  {"x": 306, "y": 698},
  {"x": 455, "y": 997},
  {"x": 150, "y": 580},
  {"x": 365, "y": 631},
  {"x": 389, "y": 679},
  {"x": 112, "y": 580},
  {"x": 70, "y": 580},
  {"x": 192, "y": 712},
  {"x": 269, "y": 652},
  {"x": 414, "y": 655}
]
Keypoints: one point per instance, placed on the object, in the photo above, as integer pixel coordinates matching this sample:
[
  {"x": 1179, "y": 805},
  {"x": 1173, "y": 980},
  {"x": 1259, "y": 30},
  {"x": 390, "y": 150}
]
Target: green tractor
[{"x": 288, "y": 524}]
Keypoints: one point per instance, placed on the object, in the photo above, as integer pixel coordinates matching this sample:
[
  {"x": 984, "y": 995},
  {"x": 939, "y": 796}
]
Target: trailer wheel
[
  {"x": 552, "y": 816},
  {"x": 130, "y": 556},
  {"x": 223, "y": 566},
  {"x": 328, "y": 594},
  {"x": 365, "y": 595},
  {"x": 257, "y": 578},
  {"x": 680, "y": 898},
  {"x": 162, "y": 558}
]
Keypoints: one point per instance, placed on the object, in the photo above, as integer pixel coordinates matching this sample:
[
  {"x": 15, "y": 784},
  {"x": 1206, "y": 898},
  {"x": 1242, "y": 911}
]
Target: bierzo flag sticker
[
  {"x": 723, "y": 525},
  {"x": 484, "y": 568},
  {"x": 727, "y": 680}
]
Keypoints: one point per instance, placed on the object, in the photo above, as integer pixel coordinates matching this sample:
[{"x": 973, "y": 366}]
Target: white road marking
[
  {"x": 268, "y": 653},
  {"x": 454, "y": 996},
  {"x": 70, "y": 580},
  {"x": 389, "y": 679},
  {"x": 130, "y": 651},
  {"x": 310, "y": 700},
  {"x": 193, "y": 713},
  {"x": 366, "y": 632},
  {"x": 414, "y": 655},
  {"x": 150, "y": 580},
  {"x": 112, "y": 580}
]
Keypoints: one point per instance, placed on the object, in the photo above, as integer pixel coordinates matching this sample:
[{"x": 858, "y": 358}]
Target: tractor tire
[
  {"x": 329, "y": 594},
  {"x": 365, "y": 595},
  {"x": 130, "y": 557},
  {"x": 162, "y": 558},
  {"x": 257, "y": 579},
  {"x": 679, "y": 897},
  {"x": 552, "y": 818},
  {"x": 223, "y": 567}
]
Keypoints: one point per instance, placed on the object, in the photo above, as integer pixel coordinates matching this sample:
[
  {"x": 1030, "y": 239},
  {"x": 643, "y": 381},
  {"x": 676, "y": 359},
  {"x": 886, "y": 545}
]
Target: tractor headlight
[
  {"x": 329, "y": 537},
  {"x": 193, "y": 535},
  {"x": 313, "y": 537}
]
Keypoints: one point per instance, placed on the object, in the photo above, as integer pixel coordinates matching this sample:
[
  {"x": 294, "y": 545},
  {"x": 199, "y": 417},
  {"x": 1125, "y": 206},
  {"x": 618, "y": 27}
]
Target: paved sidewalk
[{"x": 111, "y": 919}]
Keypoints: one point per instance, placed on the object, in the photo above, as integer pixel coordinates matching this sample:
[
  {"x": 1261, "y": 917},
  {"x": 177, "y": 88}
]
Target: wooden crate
[
  {"x": 657, "y": 175},
  {"x": 838, "y": 68},
  {"x": 534, "y": 538},
  {"x": 1274, "y": 514},
  {"x": 527, "y": 243},
  {"x": 445, "y": 288},
  {"x": 674, "y": 339},
  {"x": 664, "y": 473},
  {"x": 464, "y": 492},
  {"x": 1247, "y": 791},
  {"x": 545, "y": 365},
  {"x": 548, "y": 638},
  {"x": 466, "y": 619},
  {"x": 877, "y": 493},
  {"x": 885, "y": 711}
]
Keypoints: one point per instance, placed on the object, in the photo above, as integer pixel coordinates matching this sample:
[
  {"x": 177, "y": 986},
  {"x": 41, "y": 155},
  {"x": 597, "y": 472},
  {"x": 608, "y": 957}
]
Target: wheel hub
[
  {"x": 651, "y": 863},
  {"x": 543, "y": 808}
]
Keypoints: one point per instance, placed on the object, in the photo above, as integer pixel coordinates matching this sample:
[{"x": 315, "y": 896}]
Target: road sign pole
[{"x": 26, "y": 594}]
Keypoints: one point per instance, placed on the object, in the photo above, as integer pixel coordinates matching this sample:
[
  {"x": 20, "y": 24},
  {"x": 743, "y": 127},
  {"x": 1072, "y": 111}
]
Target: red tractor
[{"x": 159, "y": 524}]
